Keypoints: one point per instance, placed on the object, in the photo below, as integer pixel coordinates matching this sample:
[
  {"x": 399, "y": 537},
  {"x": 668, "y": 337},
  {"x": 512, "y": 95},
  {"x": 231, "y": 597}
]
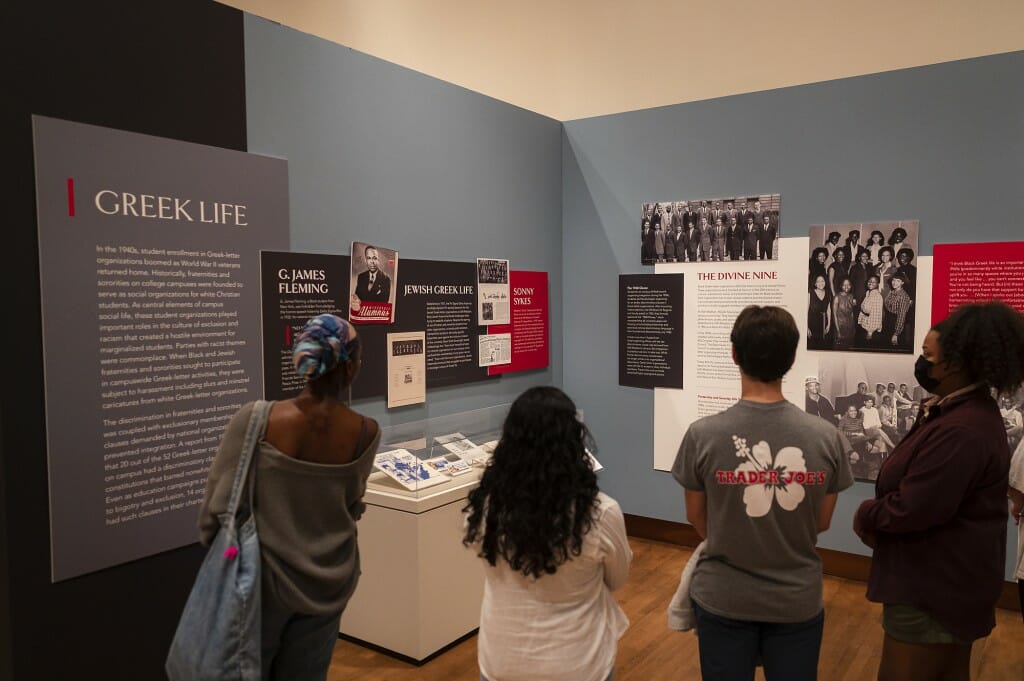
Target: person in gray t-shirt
[{"x": 761, "y": 482}]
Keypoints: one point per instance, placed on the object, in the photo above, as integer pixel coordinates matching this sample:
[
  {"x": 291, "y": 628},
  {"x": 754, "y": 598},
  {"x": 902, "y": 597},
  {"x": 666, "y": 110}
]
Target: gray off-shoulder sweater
[{"x": 306, "y": 517}]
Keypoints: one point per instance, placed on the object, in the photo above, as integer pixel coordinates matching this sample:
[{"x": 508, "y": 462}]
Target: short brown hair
[{"x": 764, "y": 341}]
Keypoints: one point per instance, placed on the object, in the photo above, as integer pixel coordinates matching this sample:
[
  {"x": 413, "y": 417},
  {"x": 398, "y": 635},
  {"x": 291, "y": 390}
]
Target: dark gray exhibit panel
[
  {"x": 149, "y": 272},
  {"x": 433, "y": 296}
]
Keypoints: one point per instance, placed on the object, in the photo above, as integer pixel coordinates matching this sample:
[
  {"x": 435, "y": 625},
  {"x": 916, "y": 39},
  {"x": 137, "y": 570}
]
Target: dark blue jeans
[
  {"x": 296, "y": 647},
  {"x": 730, "y": 649}
]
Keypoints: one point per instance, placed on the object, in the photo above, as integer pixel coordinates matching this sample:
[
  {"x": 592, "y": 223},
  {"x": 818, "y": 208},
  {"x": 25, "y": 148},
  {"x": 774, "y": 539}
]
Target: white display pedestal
[{"x": 420, "y": 588}]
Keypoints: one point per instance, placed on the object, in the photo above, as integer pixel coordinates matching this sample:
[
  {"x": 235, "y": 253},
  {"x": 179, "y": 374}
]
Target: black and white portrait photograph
[
  {"x": 711, "y": 230},
  {"x": 861, "y": 286},
  {"x": 872, "y": 399},
  {"x": 374, "y": 270}
]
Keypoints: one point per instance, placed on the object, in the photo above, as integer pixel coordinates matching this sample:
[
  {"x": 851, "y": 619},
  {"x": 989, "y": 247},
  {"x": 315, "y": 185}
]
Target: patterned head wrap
[{"x": 324, "y": 342}]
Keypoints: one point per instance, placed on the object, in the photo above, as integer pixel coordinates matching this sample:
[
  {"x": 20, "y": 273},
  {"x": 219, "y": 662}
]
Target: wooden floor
[{"x": 650, "y": 652}]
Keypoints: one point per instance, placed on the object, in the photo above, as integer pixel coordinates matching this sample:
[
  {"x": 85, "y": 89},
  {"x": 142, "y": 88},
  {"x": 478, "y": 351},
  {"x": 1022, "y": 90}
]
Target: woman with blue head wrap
[
  {"x": 310, "y": 467},
  {"x": 325, "y": 343}
]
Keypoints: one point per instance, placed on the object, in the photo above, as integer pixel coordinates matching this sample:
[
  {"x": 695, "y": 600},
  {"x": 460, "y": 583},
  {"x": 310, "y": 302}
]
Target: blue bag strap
[{"x": 253, "y": 432}]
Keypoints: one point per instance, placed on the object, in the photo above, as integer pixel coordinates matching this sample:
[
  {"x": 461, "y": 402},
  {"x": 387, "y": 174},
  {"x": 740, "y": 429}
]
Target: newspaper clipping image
[
  {"x": 495, "y": 349},
  {"x": 407, "y": 369}
]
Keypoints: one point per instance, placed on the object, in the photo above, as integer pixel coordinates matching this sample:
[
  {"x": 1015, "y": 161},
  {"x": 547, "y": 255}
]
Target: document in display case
[{"x": 425, "y": 463}]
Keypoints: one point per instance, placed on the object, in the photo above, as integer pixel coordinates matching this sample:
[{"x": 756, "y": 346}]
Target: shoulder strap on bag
[{"x": 253, "y": 432}]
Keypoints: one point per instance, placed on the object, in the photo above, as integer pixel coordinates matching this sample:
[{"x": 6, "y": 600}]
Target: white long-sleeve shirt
[
  {"x": 560, "y": 627},
  {"x": 871, "y": 417}
]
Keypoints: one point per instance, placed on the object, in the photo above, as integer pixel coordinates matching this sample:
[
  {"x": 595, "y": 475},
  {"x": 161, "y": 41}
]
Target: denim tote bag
[{"x": 218, "y": 636}]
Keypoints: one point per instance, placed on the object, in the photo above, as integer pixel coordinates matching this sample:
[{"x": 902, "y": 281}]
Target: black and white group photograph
[
  {"x": 872, "y": 399},
  {"x": 711, "y": 230},
  {"x": 861, "y": 287},
  {"x": 491, "y": 271}
]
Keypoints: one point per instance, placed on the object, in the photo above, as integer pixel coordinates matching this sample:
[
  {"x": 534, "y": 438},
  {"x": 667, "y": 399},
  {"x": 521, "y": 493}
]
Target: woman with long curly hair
[
  {"x": 938, "y": 520},
  {"x": 555, "y": 548}
]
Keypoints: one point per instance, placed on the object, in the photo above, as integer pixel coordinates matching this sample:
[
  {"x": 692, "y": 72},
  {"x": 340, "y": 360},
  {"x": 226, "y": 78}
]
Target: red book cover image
[{"x": 373, "y": 284}]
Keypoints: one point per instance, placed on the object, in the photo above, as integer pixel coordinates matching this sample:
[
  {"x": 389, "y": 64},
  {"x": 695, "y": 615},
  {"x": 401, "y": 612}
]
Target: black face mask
[{"x": 923, "y": 374}]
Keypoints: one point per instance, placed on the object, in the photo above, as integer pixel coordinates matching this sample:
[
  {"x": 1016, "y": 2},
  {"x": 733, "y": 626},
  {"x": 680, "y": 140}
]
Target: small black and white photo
[
  {"x": 726, "y": 229},
  {"x": 872, "y": 399},
  {"x": 861, "y": 286},
  {"x": 492, "y": 271},
  {"x": 492, "y": 291}
]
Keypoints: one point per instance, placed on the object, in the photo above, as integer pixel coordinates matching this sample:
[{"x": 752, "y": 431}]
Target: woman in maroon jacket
[{"x": 938, "y": 522}]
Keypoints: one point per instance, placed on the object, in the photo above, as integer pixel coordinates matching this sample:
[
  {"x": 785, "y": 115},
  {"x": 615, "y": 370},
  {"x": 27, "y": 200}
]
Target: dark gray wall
[
  {"x": 168, "y": 69},
  {"x": 380, "y": 153},
  {"x": 943, "y": 143},
  {"x": 432, "y": 169}
]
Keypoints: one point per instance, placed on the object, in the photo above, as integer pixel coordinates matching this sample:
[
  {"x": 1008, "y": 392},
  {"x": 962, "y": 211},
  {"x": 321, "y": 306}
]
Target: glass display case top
[{"x": 433, "y": 456}]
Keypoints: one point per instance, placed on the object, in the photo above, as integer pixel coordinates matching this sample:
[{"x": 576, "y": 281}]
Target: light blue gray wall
[
  {"x": 943, "y": 143},
  {"x": 444, "y": 173},
  {"x": 376, "y": 151}
]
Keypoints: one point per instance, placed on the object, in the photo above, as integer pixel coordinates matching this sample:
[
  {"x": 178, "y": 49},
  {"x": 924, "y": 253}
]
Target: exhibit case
[
  {"x": 420, "y": 589},
  {"x": 422, "y": 463}
]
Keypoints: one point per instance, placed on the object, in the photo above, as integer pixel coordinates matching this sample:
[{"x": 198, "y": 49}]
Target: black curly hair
[
  {"x": 899, "y": 231},
  {"x": 987, "y": 341},
  {"x": 536, "y": 498}
]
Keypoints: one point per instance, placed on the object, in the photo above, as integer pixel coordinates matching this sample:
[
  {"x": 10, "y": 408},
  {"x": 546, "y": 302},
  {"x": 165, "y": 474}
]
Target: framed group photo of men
[{"x": 711, "y": 230}]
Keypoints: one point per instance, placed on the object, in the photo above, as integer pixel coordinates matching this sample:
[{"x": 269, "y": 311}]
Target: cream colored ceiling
[{"x": 572, "y": 59}]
